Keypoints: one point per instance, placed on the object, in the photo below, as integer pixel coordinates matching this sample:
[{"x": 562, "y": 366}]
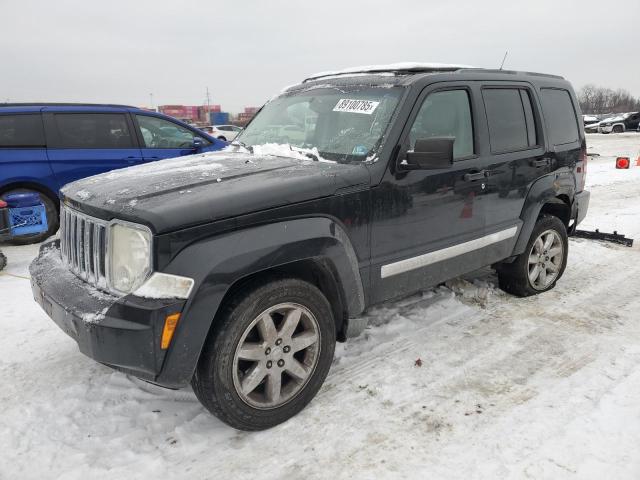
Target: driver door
[
  {"x": 425, "y": 221},
  {"x": 160, "y": 138}
]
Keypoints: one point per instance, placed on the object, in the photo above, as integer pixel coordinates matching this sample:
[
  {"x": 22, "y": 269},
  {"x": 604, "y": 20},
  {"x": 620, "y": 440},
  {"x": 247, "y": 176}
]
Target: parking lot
[{"x": 461, "y": 381}]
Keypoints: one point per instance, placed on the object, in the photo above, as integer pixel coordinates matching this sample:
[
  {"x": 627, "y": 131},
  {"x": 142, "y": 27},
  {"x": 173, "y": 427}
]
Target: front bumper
[
  {"x": 607, "y": 129},
  {"x": 121, "y": 332}
]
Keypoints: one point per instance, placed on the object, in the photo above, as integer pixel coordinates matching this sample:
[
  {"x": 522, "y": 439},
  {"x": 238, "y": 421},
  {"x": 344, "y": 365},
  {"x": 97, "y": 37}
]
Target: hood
[{"x": 186, "y": 191}]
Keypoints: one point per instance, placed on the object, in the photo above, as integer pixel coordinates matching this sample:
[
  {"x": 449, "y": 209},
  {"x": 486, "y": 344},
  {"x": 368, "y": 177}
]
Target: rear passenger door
[
  {"x": 514, "y": 154},
  {"x": 81, "y": 144}
]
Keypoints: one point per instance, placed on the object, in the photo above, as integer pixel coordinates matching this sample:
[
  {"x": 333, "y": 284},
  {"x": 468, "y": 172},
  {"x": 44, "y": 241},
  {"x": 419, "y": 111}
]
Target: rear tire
[
  {"x": 542, "y": 263},
  {"x": 254, "y": 372},
  {"x": 53, "y": 219},
  {"x": 3, "y": 261}
]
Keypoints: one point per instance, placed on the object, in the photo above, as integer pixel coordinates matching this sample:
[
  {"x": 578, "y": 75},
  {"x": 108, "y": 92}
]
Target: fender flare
[
  {"x": 546, "y": 189},
  {"x": 218, "y": 263}
]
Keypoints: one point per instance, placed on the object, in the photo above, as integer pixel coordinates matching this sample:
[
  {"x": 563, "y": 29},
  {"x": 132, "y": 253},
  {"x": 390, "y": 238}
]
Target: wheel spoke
[
  {"x": 251, "y": 351},
  {"x": 534, "y": 273},
  {"x": 253, "y": 378},
  {"x": 552, "y": 267},
  {"x": 549, "y": 241},
  {"x": 533, "y": 258},
  {"x": 290, "y": 323},
  {"x": 542, "y": 279},
  {"x": 296, "y": 369},
  {"x": 538, "y": 246},
  {"x": 553, "y": 252},
  {"x": 267, "y": 328},
  {"x": 274, "y": 387},
  {"x": 302, "y": 341}
]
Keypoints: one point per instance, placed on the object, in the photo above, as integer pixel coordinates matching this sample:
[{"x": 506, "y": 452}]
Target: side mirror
[
  {"x": 198, "y": 143},
  {"x": 430, "y": 154}
]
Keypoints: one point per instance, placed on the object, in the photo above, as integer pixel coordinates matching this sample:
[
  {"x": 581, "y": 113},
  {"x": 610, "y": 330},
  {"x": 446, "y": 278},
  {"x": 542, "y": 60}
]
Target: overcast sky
[{"x": 245, "y": 51}]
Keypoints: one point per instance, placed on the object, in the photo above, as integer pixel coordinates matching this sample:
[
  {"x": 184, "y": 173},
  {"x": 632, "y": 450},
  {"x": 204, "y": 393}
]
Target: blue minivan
[{"x": 44, "y": 146}]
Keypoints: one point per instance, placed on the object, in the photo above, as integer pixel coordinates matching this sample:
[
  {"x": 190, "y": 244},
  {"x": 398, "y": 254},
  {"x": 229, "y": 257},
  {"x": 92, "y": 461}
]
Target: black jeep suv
[{"x": 237, "y": 271}]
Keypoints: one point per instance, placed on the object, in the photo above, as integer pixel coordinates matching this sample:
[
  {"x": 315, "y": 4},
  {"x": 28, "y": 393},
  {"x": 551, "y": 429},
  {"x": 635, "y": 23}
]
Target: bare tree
[{"x": 595, "y": 100}]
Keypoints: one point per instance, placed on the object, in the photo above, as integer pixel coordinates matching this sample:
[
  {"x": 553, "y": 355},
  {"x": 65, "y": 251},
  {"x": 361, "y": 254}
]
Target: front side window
[
  {"x": 159, "y": 133},
  {"x": 445, "y": 114},
  {"x": 559, "y": 115},
  {"x": 92, "y": 130},
  {"x": 344, "y": 124},
  {"x": 21, "y": 131}
]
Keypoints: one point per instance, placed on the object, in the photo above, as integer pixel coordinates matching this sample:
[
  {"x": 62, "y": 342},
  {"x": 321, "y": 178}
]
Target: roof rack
[
  {"x": 414, "y": 68},
  {"x": 64, "y": 104},
  {"x": 395, "y": 68}
]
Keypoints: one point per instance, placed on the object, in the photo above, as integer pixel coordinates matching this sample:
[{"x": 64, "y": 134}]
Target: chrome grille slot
[{"x": 83, "y": 245}]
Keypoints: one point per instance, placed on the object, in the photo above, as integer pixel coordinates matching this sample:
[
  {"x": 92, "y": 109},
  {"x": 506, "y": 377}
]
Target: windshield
[{"x": 343, "y": 124}]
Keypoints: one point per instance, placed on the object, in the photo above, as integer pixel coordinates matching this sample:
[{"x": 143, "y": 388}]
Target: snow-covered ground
[{"x": 545, "y": 387}]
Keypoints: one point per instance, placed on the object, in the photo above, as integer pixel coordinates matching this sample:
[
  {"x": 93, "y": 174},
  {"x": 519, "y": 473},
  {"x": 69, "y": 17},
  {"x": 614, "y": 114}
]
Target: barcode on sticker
[{"x": 355, "y": 106}]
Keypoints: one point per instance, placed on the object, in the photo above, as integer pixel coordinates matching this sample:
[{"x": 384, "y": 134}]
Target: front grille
[{"x": 83, "y": 245}]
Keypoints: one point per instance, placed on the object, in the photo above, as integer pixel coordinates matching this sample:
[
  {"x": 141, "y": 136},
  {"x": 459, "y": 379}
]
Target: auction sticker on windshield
[{"x": 356, "y": 106}]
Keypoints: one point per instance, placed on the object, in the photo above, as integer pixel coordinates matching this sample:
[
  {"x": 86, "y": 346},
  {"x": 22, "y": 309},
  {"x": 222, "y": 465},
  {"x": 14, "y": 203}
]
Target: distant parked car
[
  {"x": 226, "y": 133},
  {"x": 589, "y": 119},
  {"x": 44, "y": 146},
  {"x": 620, "y": 123}
]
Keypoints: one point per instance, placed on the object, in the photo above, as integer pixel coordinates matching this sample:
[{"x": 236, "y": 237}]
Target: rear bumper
[
  {"x": 123, "y": 333},
  {"x": 580, "y": 207}
]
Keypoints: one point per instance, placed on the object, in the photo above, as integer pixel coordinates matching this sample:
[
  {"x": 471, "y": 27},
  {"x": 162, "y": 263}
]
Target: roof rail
[
  {"x": 512, "y": 72},
  {"x": 64, "y": 104},
  {"x": 395, "y": 68}
]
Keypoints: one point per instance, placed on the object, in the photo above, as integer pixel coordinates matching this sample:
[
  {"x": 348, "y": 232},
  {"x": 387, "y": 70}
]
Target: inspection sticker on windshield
[{"x": 356, "y": 106}]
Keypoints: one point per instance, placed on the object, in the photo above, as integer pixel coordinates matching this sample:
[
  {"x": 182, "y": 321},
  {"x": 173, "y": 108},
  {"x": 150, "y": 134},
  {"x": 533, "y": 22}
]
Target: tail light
[
  {"x": 581, "y": 169},
  {"x": 3, "y": 204}
]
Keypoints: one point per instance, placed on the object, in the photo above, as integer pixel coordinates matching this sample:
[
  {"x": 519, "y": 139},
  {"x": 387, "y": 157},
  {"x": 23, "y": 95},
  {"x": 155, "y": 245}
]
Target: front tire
[
  {"x": 618, "y": 129},
  {"x": 542, "y": 263},
  {"x": 268, "y": 356}
]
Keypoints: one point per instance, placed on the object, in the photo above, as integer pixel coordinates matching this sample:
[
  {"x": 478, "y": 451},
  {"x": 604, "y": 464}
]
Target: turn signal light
[
  {"x": 623, "y": 162},
  {"x": 3, "y": 204},
  {"x": 170, "y": 324}
]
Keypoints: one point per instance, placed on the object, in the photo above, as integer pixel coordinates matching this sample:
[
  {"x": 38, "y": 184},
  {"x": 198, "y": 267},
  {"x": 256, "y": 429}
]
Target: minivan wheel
[
  {"x": 53, "y": 219},
  {"x": 268, "y": 356},
  {"x": 542, "y": 263}
]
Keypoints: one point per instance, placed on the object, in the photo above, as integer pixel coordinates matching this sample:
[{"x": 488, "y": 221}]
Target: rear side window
[
  {"x": 559, "y": 115},
  {"x": 510, "y": 119},
  {"x": 92, "y": 130},
  {"x": 21, "y": 131}
]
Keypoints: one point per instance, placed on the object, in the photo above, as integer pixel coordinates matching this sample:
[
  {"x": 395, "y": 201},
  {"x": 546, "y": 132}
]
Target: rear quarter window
[
  {"x": 21, "y": 131},
  {"x": 560, "y": 116}
]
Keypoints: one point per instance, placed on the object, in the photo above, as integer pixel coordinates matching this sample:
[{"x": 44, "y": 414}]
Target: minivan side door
[
  {"x": 23, "y": 155},
  {"x": 428, "y": 225},
  {"x": 161, "y": 138},
  {"x": 85, "y": 143}
]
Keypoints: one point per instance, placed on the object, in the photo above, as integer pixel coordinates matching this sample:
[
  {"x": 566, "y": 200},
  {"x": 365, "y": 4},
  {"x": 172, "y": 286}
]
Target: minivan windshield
[{"x": 344, "y": 124}]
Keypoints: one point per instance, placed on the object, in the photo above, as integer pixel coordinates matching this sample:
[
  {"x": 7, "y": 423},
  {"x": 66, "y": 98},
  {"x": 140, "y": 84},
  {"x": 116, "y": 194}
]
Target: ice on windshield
[{"x": 341, "y": 124}]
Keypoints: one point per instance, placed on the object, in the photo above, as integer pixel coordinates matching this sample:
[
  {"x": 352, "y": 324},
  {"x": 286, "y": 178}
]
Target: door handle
[
  {"x": 541, "y": 162},
  {"x": 472, "y": 177}
]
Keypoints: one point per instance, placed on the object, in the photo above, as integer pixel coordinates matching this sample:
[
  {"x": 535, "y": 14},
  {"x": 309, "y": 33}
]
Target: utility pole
[{"x": 208, "y": 119}]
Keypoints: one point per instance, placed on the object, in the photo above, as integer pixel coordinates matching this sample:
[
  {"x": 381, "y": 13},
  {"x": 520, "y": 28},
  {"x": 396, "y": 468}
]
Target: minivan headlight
[{"x": 129, "y": 256}]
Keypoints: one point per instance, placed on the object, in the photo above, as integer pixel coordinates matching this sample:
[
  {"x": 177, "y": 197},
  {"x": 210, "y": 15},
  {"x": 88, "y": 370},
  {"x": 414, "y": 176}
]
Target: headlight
[{"x": 129, "y": 256}]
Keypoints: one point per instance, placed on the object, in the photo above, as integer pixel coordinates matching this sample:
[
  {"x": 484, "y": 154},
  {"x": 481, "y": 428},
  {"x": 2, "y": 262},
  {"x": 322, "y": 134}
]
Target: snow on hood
[{"x": 391, "y": 67}]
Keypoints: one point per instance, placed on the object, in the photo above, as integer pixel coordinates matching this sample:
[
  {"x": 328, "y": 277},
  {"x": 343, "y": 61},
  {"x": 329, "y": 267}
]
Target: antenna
[{"x": 504, "y": 58}]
